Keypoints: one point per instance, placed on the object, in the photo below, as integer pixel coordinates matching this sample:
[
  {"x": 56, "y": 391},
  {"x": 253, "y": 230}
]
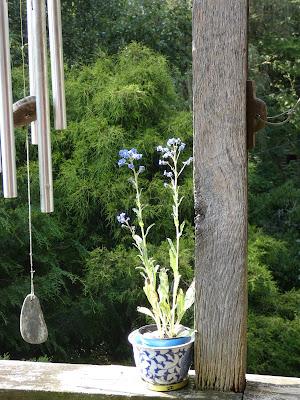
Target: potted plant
[{"x": 163, "y": 350}]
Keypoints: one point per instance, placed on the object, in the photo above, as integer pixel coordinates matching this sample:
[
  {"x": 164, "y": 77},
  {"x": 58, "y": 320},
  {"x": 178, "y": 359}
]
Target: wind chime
[{"x": 32, "y": 110}]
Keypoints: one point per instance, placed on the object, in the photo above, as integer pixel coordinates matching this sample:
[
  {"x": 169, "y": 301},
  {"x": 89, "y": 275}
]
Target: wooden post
[{"x": 219, "y": 90}]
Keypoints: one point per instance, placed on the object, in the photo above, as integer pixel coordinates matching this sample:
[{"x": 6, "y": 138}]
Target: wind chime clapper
[{"x": 33, "y": 109}]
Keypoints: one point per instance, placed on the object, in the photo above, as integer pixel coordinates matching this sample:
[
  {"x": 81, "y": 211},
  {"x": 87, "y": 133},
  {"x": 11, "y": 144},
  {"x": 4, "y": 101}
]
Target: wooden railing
[{"x": 22, "y": 380}]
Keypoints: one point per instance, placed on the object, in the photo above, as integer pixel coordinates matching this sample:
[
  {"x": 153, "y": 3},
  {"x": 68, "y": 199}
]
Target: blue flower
[
  {"x": 137, "y": 156},
  {"x": 182, "y": 147},
  {"x": 131, "y": 152},
  {"x": 162, "y": 162},
  {"x": 131, "y": 166},
  {"x": 141, "y": 169},
  {"x": 171, "y": 141},
  {"x": 124, "y": 153},
  {"x": 122, "y": 219},
  {"x": 188, "y": 161},
  {"x": 161, "y": 149},
  {"x": 168, "y": 154},
  {"x": 121, "y": 162},
  {"x": 168, "y": 174}
]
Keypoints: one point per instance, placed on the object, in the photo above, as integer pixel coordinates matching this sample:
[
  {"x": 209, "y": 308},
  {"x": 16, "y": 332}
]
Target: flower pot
[
  {"x": 166, "y": 367},
  {"x": 153, "y": 341}
]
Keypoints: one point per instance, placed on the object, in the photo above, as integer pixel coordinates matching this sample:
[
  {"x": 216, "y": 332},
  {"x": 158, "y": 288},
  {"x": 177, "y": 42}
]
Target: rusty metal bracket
[{"x": 256, "y": 114}]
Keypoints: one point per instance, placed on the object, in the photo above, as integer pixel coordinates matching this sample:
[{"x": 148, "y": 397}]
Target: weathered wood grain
[
  {"x": 22, "y": 380},
  {"x": 220, "y": 172}
]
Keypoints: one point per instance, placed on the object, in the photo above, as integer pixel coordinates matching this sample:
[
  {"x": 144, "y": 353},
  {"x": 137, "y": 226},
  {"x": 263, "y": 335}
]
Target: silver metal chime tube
[
  {"x": 42, "y": 105},
  {"x": 57, "y": 64},
  {"x": 31, "y": 64},
  {"x": 6, "y": 111}
]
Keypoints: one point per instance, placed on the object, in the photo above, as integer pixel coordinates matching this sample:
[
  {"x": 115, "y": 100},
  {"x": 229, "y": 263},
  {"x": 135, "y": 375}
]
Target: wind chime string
[
  {"x": 27, "y": 161},
  {"x": 33, "y": 327},
  {"x": 290, "y": 111},
  {"x": 29, "y": 216},
  {"x": 289, "y": 114}
]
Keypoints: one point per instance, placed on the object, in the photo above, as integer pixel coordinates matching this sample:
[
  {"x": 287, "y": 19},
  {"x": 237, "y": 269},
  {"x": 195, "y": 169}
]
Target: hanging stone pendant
[{"x": 32, "y": 323}]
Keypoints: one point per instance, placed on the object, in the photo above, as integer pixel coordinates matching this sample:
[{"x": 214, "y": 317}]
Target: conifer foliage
[{"x": 124, "y": 95}]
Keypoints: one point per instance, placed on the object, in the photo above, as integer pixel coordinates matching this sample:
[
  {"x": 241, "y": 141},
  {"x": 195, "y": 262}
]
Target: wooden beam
[
  {"x": 25, "y": 380},
  {"x": 219, "y": 90}
]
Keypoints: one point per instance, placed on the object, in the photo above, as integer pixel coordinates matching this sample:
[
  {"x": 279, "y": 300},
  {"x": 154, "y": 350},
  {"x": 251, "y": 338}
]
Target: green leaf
[
  {"x": 166, "y": 311},
  {"x": 180, "y": 305},
  {"x": 172, "y": 260},
  {"x": 156, "y": 268},
  {"x": 171, "y": 245},
  {"x": 145, "y": 310},
  {"x": 137, "y": 239},
  {"x": 143, "y": 275},
  {"x": 151, "y": 294},
  {"x": 182, "y": 225},
  {"x": 148, "y": 229},
  {"x": 190, "y": 296},
  {"x": 163, "y": 289}
]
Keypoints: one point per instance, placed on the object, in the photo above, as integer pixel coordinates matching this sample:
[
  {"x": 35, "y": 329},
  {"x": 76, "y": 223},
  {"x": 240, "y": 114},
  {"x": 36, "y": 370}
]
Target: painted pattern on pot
[{"x": 162, "y": 366}]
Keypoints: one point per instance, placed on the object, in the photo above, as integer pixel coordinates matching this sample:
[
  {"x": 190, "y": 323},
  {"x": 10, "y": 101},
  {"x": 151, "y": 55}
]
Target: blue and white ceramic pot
[{"x": 162, "y": 366}]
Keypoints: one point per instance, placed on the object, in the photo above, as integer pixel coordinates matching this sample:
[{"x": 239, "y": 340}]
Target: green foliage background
[{"x": 122, "y": 94}]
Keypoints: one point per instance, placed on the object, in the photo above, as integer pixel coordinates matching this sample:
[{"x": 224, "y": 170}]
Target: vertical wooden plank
[{"x": 219, "y": 90}]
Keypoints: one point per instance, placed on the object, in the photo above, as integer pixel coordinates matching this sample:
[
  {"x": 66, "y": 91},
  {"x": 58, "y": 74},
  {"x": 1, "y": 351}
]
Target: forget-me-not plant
[{"x": 168, "y": 301}]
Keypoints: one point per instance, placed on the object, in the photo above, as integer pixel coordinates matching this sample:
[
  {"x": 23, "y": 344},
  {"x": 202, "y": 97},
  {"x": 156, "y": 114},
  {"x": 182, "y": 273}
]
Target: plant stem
[
  {"x": 176, "y": 223},
  {"x": 150, "y": 271},
  {"x": 141, "y": 223}
]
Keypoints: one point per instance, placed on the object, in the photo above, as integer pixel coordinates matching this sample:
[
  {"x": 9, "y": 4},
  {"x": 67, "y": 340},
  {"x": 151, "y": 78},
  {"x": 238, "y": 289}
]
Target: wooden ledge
[
  {"x": 23, "y": 380},
  {"x": 267, "y": 387}
]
